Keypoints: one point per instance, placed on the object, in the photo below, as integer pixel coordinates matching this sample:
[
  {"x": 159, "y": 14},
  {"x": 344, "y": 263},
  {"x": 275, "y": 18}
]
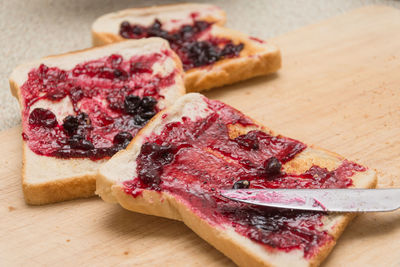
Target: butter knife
[{"x": 329, "y": 200}]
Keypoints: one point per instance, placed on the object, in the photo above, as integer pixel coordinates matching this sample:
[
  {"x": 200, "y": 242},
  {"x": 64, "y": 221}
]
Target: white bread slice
[
  {"x": 242, "y": 250},
  {"x": 49, "y": 179},
  {"x": 257, "y": 58},
  {"x": 171, "y": 16}
]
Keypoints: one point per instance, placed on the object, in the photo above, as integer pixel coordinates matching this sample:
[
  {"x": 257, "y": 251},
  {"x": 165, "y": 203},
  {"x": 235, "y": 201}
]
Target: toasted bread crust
[
  {"x": 231, "y": 70},
  {"x": 254, "y": 60},
  {"x": 74, "y": 186},
  {"x": 339, "y": 228},
  {"x": 218, "y": 16},
  {"x": 241, "y": 250},
  {"x": 221, "y": 73},
  {"x": 99, "y": 39},
  {"x": 60, "y": 190},
  {"x": 82, "y": 186},
  {"x": 164, "y": 205}
]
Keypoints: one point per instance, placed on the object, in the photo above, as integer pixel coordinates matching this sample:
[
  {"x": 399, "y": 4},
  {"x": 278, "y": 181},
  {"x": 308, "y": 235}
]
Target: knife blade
[{"x": 329, "y": 200}]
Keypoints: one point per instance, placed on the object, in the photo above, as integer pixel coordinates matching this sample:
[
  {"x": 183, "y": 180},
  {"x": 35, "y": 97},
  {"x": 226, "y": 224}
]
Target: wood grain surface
[{"x": 339, "y": 88}]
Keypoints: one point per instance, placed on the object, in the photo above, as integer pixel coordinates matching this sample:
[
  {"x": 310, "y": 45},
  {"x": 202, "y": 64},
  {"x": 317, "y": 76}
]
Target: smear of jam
[
  {"x": 112, "y": 99},
  {"x": 194, "y": 160},
  {"x": 193, "y": 43}
]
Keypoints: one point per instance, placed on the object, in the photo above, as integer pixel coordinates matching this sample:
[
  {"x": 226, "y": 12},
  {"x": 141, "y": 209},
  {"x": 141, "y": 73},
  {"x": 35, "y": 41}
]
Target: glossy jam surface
[
  {"x": 109, "y": 99},
  {"x": 194, "y": 160},
  {"x": 193, "y": 43}
]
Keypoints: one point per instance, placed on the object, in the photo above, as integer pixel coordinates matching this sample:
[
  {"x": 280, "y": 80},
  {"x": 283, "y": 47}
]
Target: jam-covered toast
[
  {"x": 177, "y": 164},
  {"x": 79, "y": 109},
  {"x": 212, "y": 55}
]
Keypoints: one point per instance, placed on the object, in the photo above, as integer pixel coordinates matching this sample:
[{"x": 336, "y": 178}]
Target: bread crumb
[
  {"x": 126, "y": 252},
  {"x": 68, "y": 240},
  {"x": 11, "y": 208}
]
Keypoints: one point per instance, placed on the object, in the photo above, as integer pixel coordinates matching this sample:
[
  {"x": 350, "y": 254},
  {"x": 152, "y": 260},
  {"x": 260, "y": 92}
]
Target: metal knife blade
[{"x": 330, "y": 200}]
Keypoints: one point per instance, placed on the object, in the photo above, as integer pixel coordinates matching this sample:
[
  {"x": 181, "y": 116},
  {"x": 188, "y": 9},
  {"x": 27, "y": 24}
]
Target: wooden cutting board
[{"x": 339, "y": 88}]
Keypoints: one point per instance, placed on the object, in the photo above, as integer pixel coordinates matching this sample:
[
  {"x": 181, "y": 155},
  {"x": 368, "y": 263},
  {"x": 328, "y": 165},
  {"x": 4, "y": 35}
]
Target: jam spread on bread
[
  {"x": 111, "y": 98},
  {"x": 193, "y": 43},
  {"x": 194, "y": 159}
]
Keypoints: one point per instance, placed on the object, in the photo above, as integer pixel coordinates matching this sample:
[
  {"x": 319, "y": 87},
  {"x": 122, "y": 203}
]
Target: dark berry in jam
[
  {"x": 194, "y": 160},
  {"x": 122, "y": 138},
  {"x": 241, "y": 184},
  {"x": 200, "y": 26},
  {"x": 202, "y": 53},
  {"x": 147, "y": 115},
  {"x": 73, "y": 124},
  {"x": 155, "y": 31},
  {"x": 70, "y": 124},
  {"x": 79, "y": 142},
  {"x": 141, "y": 109},
  {"x": 248, "y": 141},
  {"x": 156, "y": 25},
  {"x": 186, "y": 32},
  {"x": 148, "y": 102},
  {"x": 272, "y": 166},
  {"x": 185, "y": 42},
  {"x": 150, "y": 177},
  {"x": 231, "y": 49},
  {"x": 139, "y": 120},
  {"x": 137, "y": 30},
  {"x": 42, "y": 117},
  {"x": 131, "y": 104},
  {"x": 125, "y": 29},
  {"x": 98, "y": 87},
  {"x": 151, "y": 160}
]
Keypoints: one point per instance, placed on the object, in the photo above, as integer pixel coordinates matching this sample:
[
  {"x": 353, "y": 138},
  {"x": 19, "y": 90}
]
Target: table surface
[
  {"x": 34, "y": 29},
  {"x": 338, "y": 89}
]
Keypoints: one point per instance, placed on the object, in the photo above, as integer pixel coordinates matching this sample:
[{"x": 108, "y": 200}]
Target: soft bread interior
[
  {"x": 171, "y": 16},
  {"x": 45, "y": 169},
  {"x": 48, "y": 169},
  {"x": 42, "y": 174},
  {"x": 257, "y": 57},
  {"x": 122, "y": 167},
  {"x": 125, "y": 49}
]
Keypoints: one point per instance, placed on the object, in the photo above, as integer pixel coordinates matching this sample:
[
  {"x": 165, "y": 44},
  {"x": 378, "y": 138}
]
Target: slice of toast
[
  {"x": 78, "y": 83},
  {"x": 176, "y": 165},
  {"x": 200, "y": 48}
]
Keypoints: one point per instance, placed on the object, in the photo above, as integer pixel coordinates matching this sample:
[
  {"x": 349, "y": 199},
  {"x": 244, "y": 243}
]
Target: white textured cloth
[{"x": 37, "y": 28}]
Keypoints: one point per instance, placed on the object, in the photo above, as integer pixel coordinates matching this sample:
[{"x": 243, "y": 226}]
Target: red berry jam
[
  {"x": 192, "y": 43},
  {"x": 112, "y": 99},
  {"x": 194, "y": 160}
]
